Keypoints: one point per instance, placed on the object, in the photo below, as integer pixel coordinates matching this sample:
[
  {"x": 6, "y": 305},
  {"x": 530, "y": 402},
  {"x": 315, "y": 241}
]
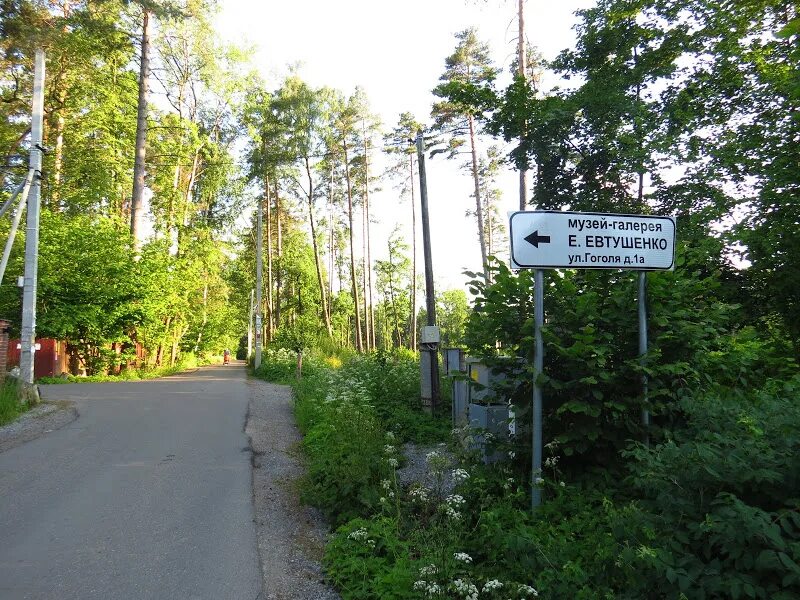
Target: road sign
[{"x": 573, "y": 240}]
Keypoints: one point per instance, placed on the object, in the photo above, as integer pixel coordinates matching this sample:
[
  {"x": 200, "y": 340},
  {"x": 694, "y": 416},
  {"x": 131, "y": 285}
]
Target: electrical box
[{"x": 430, "y": 335}]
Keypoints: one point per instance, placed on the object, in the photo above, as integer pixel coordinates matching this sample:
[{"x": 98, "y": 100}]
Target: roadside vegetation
[
  {"x": 186, "y": 361},
  {"x": 10, "y": 405},
  {"x": 707, "y": 508}
]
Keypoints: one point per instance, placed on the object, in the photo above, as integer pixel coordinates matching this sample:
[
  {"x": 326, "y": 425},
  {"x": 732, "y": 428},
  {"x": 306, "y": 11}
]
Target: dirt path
[{"x": 291, "y": 537}]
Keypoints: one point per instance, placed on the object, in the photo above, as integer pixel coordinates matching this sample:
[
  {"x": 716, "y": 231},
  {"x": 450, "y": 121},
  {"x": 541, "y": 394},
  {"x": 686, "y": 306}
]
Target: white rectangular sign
[{"x": 573, "y": 240}]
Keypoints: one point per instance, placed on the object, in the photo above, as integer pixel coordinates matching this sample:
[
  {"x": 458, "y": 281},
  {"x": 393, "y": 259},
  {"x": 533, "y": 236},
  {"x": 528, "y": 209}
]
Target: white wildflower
[
  {"x": 460, "y": 475},
  {"x": 452, "y": 513},
  {"x": 390, "y": 436},
  {"x": 455, "y": 500},
  {"x": 493, "y": 584},
  {"x": 386, "y": 484},
  {"x": 430, "y": 589},
  {"x": 562, "y": 484},
  {"x": 462, "y": 557},
  {"x": 468, "y": 590},
  {"x": 359, "y": 535},
  {"x": 551, "y": 462},
  {"x": 527, "y": 590},
  {"x": 393, "y": 463},
  {"x": 419, "y": 494},
  {"x": 538, "y": 481},
  {"x": 512, "y": 455},
  {"x": 429, "y": 570},
  {"x": 431, "y": 455},
  {"x": 388, "y": 449}
]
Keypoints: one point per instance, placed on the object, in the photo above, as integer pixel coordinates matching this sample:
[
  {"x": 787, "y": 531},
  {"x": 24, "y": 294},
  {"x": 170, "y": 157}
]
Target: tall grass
[{"x": 10, "y": 406}]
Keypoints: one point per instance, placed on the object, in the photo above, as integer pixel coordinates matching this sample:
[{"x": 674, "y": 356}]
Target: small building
[{"x": 49, "y": 360}]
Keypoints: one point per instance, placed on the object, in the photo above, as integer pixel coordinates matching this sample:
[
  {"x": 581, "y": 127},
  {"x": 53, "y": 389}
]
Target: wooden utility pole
[
  {"x": 413, "y": 344},
  {"x": 430, "y": 297}
]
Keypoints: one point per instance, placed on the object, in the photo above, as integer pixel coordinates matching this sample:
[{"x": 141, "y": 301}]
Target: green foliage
[
  {"x": 366, "y": 559},
  {"x": 345, "y": 413},
  {"x": 592, "y": 381},
  {"x": 10, "y": 405},
  {"x": 722, "y": 495},
  {"x": 186, "y": 361},
  {"x": 452, "y": 312}
]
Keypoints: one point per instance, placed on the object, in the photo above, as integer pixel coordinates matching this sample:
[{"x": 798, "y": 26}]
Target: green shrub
[
  {"x": 365, "y": 559},
  {"x": 724, "y": 497},
  {"x": 344, "y": 449}
]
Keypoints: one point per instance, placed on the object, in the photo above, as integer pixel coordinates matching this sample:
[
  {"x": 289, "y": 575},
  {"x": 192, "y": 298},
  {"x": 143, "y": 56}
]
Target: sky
[{"x": 395, "y": 51}]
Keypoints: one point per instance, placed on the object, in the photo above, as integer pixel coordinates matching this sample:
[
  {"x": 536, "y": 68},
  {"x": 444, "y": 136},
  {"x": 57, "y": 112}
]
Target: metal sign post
[
  {"x": 557, "y": 239},
  {"x": 643, "y": 350},
  {"x": 538, "y": 365}
]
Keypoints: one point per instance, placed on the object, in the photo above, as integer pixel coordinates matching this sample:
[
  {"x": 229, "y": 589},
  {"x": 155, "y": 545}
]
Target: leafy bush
[
  {"x": 724, "y": 496},
  {"x": 344, "y": 447},
  {"x": 366, "y": 559},
  {"x": 592, "y": 374},
  {"x": 185, "y": 361}
]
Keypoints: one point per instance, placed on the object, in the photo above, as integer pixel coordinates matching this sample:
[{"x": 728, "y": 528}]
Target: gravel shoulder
[
  {"x": 291, "y": 536},
  {"x": 41, "y": 419}
]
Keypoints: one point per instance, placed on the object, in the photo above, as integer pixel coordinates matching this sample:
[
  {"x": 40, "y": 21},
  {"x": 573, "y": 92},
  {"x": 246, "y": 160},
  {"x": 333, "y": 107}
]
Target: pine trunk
[
  {"x": 478, "y": 204},
  {"x": 364, "y": 268},
  {"x": 354, "y": 286},
  {"x": 371, "y": 332},
  {"x": 322, "y": 296}
]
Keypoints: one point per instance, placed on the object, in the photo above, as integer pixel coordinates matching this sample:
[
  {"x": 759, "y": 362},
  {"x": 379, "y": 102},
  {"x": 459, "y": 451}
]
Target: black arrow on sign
[{"x": 535, "y": 239}]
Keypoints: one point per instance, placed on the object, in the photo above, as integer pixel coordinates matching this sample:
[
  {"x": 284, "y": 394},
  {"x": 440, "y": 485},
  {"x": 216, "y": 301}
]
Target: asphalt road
[{"x": 146, "y": 495}]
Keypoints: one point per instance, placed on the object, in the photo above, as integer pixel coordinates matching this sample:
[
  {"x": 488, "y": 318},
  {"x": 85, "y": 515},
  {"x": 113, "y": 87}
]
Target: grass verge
[{"x": 10, "y": 406}]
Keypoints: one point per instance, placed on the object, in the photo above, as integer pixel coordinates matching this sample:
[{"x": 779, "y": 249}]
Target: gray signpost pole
[
  {"x": 538, "y": 365},
  {"x": 643, "y": 348}
]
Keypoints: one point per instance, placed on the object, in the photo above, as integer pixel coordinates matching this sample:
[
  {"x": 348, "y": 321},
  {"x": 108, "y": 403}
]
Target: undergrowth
[
  {"x": 10, "y": 406},
  {"x": 186, "y": 361}
]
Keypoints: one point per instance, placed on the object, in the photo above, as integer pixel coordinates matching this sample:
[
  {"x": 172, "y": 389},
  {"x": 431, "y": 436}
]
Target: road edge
[
  {"x": 41, "y": 419},
  {"x": 291, "y": 536}
]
